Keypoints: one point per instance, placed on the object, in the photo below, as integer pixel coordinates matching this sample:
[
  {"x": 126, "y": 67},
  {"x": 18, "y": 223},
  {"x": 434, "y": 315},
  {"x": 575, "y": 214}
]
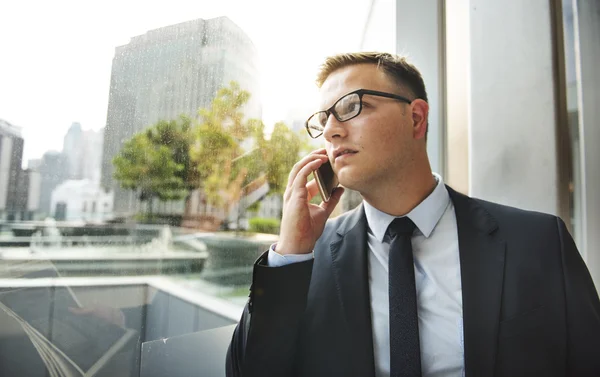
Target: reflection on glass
[{"x": 142, "y": 167}]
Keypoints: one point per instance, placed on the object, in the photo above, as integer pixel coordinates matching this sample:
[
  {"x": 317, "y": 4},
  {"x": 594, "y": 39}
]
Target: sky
[{"x": 55, "y": 57}]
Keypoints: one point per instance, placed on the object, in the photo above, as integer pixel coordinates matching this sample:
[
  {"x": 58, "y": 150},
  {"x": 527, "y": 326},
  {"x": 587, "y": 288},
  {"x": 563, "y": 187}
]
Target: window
[{"x": 112, "y": 102}]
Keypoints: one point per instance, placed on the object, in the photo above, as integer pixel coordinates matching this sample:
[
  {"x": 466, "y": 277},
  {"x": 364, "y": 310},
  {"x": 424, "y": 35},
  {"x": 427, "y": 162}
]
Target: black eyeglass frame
[{"x": 361, "y": 93}]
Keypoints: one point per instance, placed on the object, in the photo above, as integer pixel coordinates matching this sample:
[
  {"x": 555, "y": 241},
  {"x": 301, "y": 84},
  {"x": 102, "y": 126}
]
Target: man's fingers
[
  {"x": 302, "y": 177},
  {"x": 300, "y": 164}
]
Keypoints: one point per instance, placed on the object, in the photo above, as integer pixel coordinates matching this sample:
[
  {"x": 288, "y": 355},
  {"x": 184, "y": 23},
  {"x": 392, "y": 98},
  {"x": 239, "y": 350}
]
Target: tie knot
[{"x": 401, "y": 226}]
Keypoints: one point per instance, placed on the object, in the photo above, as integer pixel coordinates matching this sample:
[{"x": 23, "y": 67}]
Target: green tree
[
  {"x": 149, "y": 169},
  {"x": 174, "y": 157},
  {"x": 217, "y": 142},
  {"x": 177, "y": 135},
  {"x": 282, "y": 151}
]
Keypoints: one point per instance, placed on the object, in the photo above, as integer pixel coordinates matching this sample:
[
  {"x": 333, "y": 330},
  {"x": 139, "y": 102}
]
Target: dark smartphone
[{"x": 326, "y": 180}]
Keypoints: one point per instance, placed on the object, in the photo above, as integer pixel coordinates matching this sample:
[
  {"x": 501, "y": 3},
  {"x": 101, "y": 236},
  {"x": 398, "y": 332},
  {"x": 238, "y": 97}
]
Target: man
[{"x": 419, "y": 279}]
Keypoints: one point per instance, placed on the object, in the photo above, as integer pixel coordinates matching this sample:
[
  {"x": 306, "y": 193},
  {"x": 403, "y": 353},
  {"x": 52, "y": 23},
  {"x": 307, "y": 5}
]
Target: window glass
[{"x": 144, "y": 150}]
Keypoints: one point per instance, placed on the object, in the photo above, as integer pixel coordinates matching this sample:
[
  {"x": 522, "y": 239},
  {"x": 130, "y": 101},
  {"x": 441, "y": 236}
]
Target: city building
[
  {"x": 11, "y": 157},
  {"x": 33, "y": 183},
  {"x": 83, "y": 149},
  {"x": 81, "y": 200},
  {"x": 171, "y": 71},
  {"x": 53, "y": 170},
  {"x": 73, "y": 150},
  {"x": 19, "y": 189},
  {"x": 271, "y": 207}
]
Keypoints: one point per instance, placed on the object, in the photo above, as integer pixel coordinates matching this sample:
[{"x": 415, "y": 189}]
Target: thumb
[{"x": 333, "y": 201}]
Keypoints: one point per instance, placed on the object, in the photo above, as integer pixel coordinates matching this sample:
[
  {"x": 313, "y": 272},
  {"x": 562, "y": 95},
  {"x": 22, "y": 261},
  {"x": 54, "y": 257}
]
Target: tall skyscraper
[
  {"x": 73, "y": 148},
  {"x": 11, "y": 157},
  {"x": 171, "y": 71},
  {"x": 53, "y": 170},
  {"x": 84, "y": 152}
]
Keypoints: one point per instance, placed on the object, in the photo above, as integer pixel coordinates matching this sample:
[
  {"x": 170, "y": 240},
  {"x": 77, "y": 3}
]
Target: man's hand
[{"x": 302, "y": 223}]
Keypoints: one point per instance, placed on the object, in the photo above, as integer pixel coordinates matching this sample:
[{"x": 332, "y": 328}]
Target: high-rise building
[
  {"x": 53, "y": 170},
  {"x": 171, "y": 71},
  {"x": 92, "y": 155},
  {"x": 73, "y": 148},
  {"x": 83, "y": 149},
  {"x": 11, "y": 157}
]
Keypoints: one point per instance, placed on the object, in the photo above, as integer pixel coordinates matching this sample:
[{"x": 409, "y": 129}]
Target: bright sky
[{"x": 56, "y": 56}]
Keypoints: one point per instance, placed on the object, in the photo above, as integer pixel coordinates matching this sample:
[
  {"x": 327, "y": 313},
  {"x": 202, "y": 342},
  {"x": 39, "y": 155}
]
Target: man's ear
[{"x": 420, "y": 111}]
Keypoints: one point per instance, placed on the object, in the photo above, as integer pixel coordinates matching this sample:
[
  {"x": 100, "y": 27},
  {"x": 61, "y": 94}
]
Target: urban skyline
[
  {"x": 26, "y": 188},
  {"x": 73, "y": 84}
]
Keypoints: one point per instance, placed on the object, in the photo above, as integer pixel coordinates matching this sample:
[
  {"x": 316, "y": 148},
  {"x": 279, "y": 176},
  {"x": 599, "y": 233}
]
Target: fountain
[
  {"x": 109, "y": 254},
  {"x": 53, "y": 237}
]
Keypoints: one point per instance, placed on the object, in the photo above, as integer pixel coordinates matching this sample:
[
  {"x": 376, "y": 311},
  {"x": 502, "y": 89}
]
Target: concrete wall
[{"x": 512, "y": 153}]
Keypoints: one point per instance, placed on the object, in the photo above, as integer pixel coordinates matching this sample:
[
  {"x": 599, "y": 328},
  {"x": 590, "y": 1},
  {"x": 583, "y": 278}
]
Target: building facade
[
  {"x": 83, "y": 149},
  {"x": 11, "y": 158},
  {"x": 81, "y": 200},
  {"x": 171, "y": 71},
  {"x": 53, "y": 170}
]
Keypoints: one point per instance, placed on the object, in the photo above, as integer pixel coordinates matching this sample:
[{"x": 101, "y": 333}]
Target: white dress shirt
[{"x": 437, "y": 278}]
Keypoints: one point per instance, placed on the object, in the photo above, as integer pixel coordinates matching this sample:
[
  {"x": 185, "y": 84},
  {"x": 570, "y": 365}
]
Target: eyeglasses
[{"x": 346, "y": 108}]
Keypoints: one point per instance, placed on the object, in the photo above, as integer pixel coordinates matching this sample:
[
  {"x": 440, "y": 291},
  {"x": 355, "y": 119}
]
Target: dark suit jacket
[{"x": 530, "y": 307}]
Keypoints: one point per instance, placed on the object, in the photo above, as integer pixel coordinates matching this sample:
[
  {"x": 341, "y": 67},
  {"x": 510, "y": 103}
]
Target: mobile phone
[{"x": 326, "y": 180}]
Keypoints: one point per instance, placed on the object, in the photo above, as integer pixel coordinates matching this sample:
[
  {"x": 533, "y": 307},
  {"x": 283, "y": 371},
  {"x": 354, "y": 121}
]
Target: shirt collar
[{"x": 425, "y": 215}]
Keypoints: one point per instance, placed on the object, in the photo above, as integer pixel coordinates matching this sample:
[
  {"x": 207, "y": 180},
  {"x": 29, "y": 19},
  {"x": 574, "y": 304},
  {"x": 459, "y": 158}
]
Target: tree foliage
[
  {"x": 150, "y": 168},
  {"x": 282, "y": 151},
  {"x": 171, "y": 158},
  {"x": 217, "y": 142}
]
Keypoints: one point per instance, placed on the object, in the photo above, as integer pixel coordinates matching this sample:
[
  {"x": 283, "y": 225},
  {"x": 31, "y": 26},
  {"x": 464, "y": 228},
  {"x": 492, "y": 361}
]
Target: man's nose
[{"x": 334, "y": 128}]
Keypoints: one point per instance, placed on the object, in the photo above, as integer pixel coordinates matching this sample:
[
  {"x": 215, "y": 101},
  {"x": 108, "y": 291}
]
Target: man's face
[{"x": 380, "y": 139}]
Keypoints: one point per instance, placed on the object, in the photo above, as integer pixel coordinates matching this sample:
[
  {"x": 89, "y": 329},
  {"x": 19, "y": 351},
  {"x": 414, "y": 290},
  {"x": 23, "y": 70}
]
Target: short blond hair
[{"x": 404, "y": 74}]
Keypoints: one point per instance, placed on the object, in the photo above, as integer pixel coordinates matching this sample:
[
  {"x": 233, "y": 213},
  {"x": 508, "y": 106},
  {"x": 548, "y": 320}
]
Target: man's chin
[{"x": 350, "y": 181}]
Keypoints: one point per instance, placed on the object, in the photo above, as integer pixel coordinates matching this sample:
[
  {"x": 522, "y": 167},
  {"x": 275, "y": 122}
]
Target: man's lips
[{"x": 343, "y": 152}]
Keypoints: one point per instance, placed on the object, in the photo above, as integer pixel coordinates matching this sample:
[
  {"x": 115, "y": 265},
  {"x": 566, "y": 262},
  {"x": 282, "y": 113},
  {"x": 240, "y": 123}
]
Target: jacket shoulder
[
  {"x": 522, "y": 224},
  {"x": 506, "y": 212}
]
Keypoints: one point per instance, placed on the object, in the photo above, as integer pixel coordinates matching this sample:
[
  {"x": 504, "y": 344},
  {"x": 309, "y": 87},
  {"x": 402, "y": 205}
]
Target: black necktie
[{"x": 405, "y": 351}]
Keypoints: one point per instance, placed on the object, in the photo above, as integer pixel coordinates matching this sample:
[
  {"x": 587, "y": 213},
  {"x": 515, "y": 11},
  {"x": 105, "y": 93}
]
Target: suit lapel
[
  {"x": 482, "y": 270},
  {"x": 350, "y": 267}
]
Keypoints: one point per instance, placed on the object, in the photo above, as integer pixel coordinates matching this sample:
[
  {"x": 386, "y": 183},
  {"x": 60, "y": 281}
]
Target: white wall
[
  {"x": 512, "y": 152},
  {"x": 419, "y": 36},
  {"x": 414, "y": 29},
  {"x": 379, "y": 32},
  {"x": 79, "y": 195},
  {"x": 457, "y": 99}
]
